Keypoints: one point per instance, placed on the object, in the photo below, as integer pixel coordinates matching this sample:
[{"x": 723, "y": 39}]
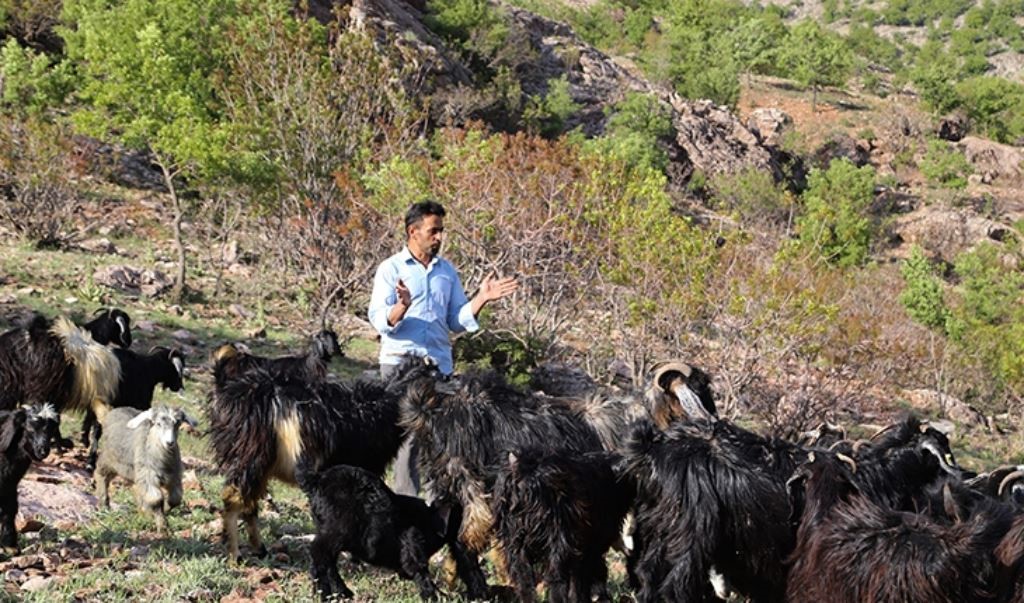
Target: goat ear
[
  {"x": 139, "y": 419},
  {"x": 11, "y": 423}
]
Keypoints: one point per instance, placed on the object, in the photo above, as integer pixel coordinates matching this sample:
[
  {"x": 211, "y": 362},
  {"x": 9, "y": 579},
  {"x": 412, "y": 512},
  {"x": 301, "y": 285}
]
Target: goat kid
[
  {"x": 142, "y": 447},
  {"x": 25, "y": 436},
  {"x": 355, "y": 511}
]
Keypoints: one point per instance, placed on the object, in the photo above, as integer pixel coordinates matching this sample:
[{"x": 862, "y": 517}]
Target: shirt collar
[{"x": 407, "y": 257}]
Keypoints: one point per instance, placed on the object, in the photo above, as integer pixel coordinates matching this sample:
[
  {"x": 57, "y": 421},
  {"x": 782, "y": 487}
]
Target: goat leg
[
  {"x": 324, "y": 570},
  {"x": 8, "y": 533},
  {"x": 233, "y": 505}
]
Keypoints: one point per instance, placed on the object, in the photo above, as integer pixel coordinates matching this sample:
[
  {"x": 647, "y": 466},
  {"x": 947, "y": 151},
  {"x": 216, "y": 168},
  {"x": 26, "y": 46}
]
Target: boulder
[
  {"x": 768, "y": 124},
  {"x": 992, "y": 160}
]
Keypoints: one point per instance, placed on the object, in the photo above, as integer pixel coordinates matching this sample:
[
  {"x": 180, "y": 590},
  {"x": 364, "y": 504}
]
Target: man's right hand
[{"x": 403, "y": 294}]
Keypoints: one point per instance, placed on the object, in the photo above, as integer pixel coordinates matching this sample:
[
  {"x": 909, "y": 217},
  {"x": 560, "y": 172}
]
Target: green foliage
[
  {"x": 989, "y": 320},
  {"x": 815, "y": 57},
  {"x": 635, "y": 126},
  {"x": 995, "y": 107},
  {"x": 934, "y": 74},
  {"x": 547, "y": 114},
  {"x": 32, "y": 82},
  {"x": 475, "y": 26},
  {"x": 835, "y": 220},
  {"x": 146, "y": 72},
  {"x": 945, "y": 166},
  {"x": 754, "y": 196},
  {"x": 919, "y": 12},
  {"x": 510, "y": 355},
  {"x": 922, "y": 294}
]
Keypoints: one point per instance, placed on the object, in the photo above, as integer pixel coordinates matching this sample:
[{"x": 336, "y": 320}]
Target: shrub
[
  {"x": 37, "y": 197},
  {"x": 922, "y": 292},
  {"x": 31, "y": 82},
  {"x": 547, "y": 114},
  {"x": 945, "y": 166},
  {"x": 754, "y": 196},
  {"x": 835, "y": 220}
]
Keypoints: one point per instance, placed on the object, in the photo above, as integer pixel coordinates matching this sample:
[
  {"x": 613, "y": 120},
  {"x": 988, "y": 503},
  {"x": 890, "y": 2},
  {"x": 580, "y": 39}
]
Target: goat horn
[
  {"x": 924, "y": 426},
  {"x": 881, "y": 431},
  {"x": 860, "y": 444},
  {"x": 1013, "y": 476},
  {"x": 853, "y": 465},
  {"x": 660, "y": 368}
]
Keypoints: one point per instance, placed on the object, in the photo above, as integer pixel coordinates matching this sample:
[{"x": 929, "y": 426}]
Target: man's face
[{"x": 425, "y": 236}]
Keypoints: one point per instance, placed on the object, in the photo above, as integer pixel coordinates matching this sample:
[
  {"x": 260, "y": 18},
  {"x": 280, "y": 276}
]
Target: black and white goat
[
  {"x": 57, "y": 362},
  {"x": 140, "y": 374},
  {"x": 560, "y": 511},
  {"x": 25, "y": 436},
  {"x": 264, "y": 428},
  {"x": 355, "y": 511},
  {"x": 111, "y": 326},
  {"x": 850, "y": 549}
]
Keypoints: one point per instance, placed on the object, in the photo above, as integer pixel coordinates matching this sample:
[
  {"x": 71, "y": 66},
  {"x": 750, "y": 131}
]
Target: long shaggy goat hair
[
  {"x": 59, "y": 363},
  {"x": 560, "y": 511},
  {"x": 262, "y": 427},
  {"x": 709, "y": 494},
  {"x": 25, "y": 436},
  {"x": 234, "y": 359},
  {"x": 850, "y": 549}
]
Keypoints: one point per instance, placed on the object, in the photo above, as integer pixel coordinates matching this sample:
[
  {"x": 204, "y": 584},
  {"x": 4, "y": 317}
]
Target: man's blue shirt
[{"x": 439, "y": 306}]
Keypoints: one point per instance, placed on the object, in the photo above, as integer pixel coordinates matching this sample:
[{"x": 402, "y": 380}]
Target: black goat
[
  {"x": 56, "y": 362},
  {"x": 714, "y": 495},
  {"x": 709, "y": 494},
  {"x": 262, "y": 427},
  {"x": 850, "y": 549},
  {"x": 354, "y": 511},
  {"x": 25, "y": 436},
  {"x": 562, "y": 511},
  {"x": 1004, "y": 483},
  {"x": 236, "y": 359},
  {"x": 140, "y": 374},
  {"x": 111, "y": 325}
]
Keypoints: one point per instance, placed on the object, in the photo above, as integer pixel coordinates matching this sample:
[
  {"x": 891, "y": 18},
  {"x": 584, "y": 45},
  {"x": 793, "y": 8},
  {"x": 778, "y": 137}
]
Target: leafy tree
[
  {"x": 145, "y": 71},
  {"x": 636, "y": 125},
  {"x": 816, "y": 57},
  {"x": 32, "y": 82},
  {"x": 995, "y": 106},
  {"x": 835, "y": 220},
  {"x": 934, "y": 74},
  {"x": 922, "y": 296},
  {"x": 754, "y": 43}
]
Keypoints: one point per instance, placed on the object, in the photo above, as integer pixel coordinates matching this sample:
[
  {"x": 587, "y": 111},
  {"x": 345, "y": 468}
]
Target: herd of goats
[{"x": 542, "y": 483}]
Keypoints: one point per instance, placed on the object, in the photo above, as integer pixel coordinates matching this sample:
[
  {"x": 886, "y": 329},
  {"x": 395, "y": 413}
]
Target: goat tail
[{"x": 97, "y": 370}]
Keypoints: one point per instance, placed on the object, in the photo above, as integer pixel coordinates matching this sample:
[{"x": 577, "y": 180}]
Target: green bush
[
  {"x": 995, "y": 106},
  {"x": 835, "y": 221},
  {"x": 31, "y": 82},
  {"x": 945, "y": 166},
  {"x": 922, "y": 295},
  {"x": 547, "y": 114},
  {"x": 754, "y": 196}
]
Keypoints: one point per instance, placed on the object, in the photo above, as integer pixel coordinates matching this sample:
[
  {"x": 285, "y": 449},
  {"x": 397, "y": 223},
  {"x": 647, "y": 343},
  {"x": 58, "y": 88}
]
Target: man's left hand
[{"x": 493, "y": 288}]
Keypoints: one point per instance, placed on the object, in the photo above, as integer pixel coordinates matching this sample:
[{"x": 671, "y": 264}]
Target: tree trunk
[
  {"x": 178, "y": 293},
  {"x": 814, "y": 98}
]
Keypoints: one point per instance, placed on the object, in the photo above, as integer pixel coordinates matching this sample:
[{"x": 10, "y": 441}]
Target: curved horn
[
  {"x": 860, "y": 444},
  {"x": 661, "y": 368},
  {"x": 1013, "y": 476},
  {"x": 881, "y": 431},
  {"x": 101, "y": 311},
  {"x": 852, "y": 464}
]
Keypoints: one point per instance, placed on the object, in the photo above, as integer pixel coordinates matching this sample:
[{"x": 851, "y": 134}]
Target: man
[{"x": 417, "y": 301}]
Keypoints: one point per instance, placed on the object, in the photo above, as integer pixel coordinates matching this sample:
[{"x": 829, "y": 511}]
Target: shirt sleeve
[
  {"x": 383, "y": 298},
  {"x": 460, "y": 311}
]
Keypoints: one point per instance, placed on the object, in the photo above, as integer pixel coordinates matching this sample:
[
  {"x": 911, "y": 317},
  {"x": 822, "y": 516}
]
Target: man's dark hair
[{"x": 418, "y": 210}]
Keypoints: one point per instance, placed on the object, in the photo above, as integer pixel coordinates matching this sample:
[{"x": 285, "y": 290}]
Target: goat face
[
  {"x": 111, "y": 326},
  {"x": 42, "y": 426},
  {"x": 935, "y": 443},
  {"x": 325, "y": 345},
  {"x": 163, "y": 423},
  {"x": 172, "y": 380},
  {"x": 680, "y": 391}
]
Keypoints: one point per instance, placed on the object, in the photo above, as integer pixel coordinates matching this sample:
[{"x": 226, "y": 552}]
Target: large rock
[
  {"x": 150, "y": 283},
  {"x": 769, "y": 124},
  {"x": 708, "y": 137},
  {"x": 992, "y": 160},
  {"x": 945, "y": 231}
]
